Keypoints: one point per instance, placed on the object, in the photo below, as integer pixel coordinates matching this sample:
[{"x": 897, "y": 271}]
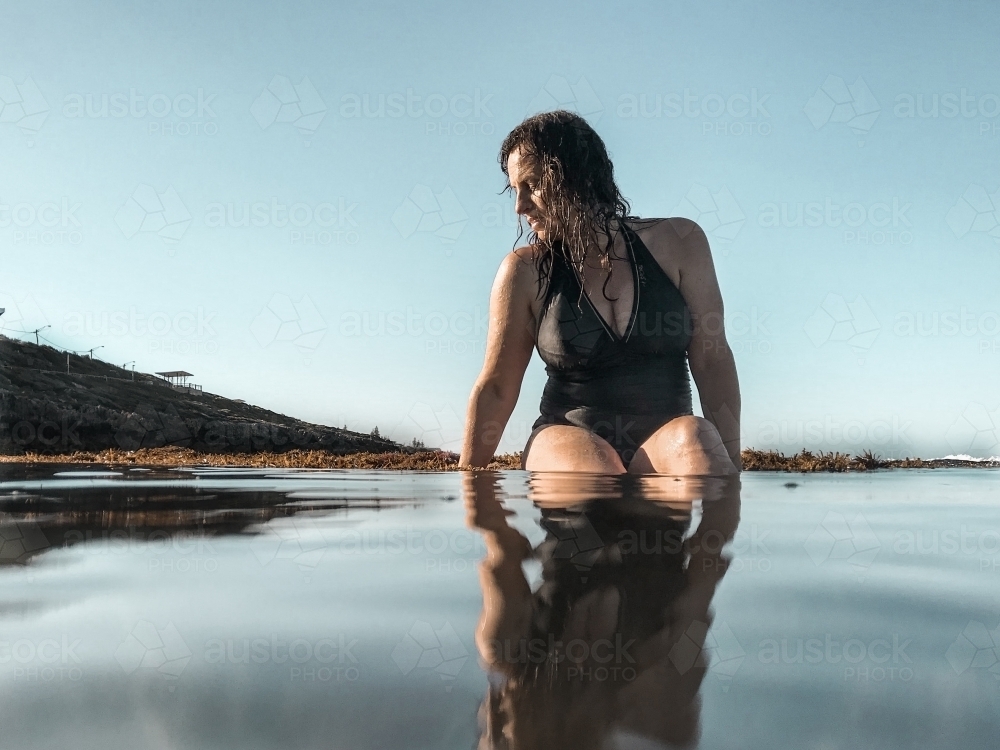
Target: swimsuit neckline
[{"x": 635, "y": 292}]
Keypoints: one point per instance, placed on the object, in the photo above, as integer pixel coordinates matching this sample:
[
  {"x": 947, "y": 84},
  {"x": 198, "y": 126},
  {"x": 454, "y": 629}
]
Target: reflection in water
[
  {"x": 611, "y": 644},
  {"x": 596, "y": 634},
  {"x": 163, "y": 508}
]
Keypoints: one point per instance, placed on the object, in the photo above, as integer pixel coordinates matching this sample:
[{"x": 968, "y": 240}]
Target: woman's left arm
[{"x": 712, "y": 364}]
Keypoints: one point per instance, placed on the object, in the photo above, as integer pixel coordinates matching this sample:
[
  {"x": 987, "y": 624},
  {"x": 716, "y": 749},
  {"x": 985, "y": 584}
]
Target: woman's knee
[
  {"x": 685, "y": 445},
  {"x": 691, "y": 432},
  {"x": 570, "y": 448}
]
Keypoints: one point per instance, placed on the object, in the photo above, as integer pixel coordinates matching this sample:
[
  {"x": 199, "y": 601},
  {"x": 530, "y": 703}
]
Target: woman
[{"x": 617, "y": 307}]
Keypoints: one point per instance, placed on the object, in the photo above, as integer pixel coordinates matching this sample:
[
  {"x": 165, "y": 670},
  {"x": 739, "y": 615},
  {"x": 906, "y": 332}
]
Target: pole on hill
[{"x": 36, "y": 333}]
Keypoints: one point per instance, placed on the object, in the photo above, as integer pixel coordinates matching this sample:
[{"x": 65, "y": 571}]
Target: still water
[{"x": 208, "y": 608}]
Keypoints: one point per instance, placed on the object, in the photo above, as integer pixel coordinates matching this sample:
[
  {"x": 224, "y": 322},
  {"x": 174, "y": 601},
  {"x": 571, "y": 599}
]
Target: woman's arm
[
  {"x": 507, "y": 599},
  {"x": 509, "y": 343},
  {"x": 712, "y": 364}
]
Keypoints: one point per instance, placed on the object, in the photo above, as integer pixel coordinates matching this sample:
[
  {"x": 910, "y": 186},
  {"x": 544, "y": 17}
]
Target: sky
[{"x": 301, "y": 204}]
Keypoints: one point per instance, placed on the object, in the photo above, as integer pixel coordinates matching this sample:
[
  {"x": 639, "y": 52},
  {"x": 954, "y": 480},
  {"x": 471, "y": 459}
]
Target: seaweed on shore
[
  {"x": 438, "y": 460},
  {"x": 429, "y": 460},
  {"x": 807, "y": 461}
]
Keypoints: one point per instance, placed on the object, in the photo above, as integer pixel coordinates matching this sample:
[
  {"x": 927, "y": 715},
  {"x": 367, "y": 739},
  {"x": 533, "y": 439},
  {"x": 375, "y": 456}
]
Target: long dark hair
[{"x": 578, "y": 183}]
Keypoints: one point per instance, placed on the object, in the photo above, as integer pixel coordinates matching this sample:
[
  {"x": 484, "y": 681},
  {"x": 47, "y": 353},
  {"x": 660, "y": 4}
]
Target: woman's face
[{"x": 525, "y": 176}]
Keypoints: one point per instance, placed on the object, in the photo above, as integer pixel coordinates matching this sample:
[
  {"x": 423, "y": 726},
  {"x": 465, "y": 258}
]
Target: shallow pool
[{"x": 208, "y": 608}]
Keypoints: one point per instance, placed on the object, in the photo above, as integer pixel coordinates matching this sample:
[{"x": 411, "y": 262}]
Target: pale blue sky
[{"x": 730, "y": 113}]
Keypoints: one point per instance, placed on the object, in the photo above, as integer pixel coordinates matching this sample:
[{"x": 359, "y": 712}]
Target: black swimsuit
[{"x": 621, "y": 388}]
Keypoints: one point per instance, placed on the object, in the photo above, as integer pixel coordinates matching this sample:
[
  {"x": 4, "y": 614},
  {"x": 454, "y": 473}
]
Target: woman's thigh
[
  {"x": 558, "y": 447},
  {"x": 684, "y": 446}
]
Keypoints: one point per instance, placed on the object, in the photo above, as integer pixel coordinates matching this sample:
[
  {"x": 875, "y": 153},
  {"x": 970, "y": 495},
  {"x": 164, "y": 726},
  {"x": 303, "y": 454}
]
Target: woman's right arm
[{"x": 510, "y": 340}]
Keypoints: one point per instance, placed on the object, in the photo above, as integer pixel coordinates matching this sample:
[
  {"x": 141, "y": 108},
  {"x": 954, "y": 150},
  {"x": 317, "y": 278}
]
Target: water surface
[{"x": 214, "y": 608}]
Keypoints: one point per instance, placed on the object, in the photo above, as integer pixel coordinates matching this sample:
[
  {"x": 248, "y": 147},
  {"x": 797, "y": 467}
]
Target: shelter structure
[{"x": 178, "y": 379}]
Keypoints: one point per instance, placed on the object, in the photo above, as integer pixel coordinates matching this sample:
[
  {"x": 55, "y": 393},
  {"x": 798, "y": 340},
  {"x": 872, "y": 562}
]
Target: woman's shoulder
[
  {"x": 521, "y": 261},
  {"x": 675, "y": 227},
  {"x": 519, "y": 269},
  {"x": 674, "y": 237}
]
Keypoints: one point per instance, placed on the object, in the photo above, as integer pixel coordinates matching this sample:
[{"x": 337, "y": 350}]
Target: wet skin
[{"x": 686, "y": 445}]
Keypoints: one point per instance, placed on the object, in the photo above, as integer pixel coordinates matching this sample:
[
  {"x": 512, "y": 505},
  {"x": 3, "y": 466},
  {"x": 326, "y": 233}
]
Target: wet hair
[{"x": 577, "y": 181}]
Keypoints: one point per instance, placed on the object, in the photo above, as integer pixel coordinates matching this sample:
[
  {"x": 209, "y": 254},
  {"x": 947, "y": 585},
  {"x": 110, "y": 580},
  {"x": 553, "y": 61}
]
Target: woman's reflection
[{"x": 607, "y": 652}]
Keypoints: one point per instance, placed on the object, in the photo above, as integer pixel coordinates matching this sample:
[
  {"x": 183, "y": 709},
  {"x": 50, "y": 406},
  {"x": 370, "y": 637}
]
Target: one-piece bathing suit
[{"x": 622, "y": 388}]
